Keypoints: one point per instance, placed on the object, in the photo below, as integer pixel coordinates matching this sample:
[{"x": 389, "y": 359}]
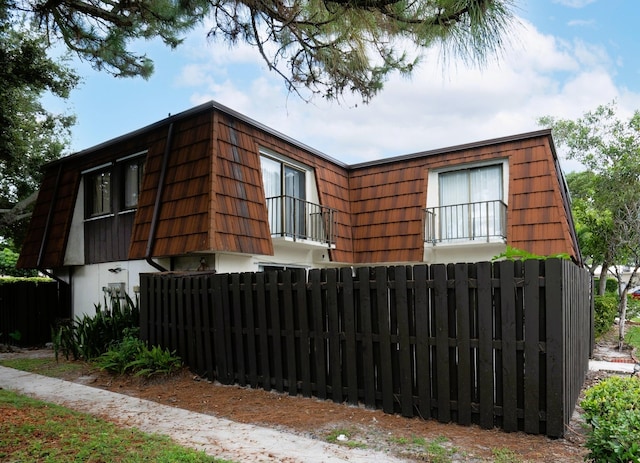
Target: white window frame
[{"x": 433, "y": 179}]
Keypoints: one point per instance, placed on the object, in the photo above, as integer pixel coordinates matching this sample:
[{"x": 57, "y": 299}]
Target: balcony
[
  {"x": 484, "y": 221},
  {"x": 299, "y": 220}
]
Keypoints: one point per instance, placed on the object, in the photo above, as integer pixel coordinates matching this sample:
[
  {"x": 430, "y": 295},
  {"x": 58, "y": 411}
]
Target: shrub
[
  {"x": 131, "y": 355},
  {"x": 89, "y": 337},
  {"x": 606, "y": 310},
  {"x": 611, "y": 285},
  {"x": 612, "y": 409}
]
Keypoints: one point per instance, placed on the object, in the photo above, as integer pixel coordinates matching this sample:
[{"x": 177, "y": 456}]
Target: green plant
[
  {"x": 512, "y": 253},
  {"x": 89, "y": 337},
  {"x": 131, "y": 355},
  {"x": 155, "y": 361},
  {"x": 437, "y": 452},
  {"x": 503, "y": 455},
  {"x": 611, "y": 286},
  {"x": 8, "y": 260},
  {"x": 343, "y": 437},
  {"x": 612, "y": 409},
  {"x": 16, "y": 335},
  {"x": 605, "y": 312}
]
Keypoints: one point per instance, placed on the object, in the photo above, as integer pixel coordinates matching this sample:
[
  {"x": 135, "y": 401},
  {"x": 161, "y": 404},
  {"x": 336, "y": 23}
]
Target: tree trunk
[
  {"x": 604, "y": 274},
  {"x": 623, "y": 316}
]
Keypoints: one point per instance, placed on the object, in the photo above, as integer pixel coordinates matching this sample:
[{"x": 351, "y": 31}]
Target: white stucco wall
[{"x": 87, "y": 282}]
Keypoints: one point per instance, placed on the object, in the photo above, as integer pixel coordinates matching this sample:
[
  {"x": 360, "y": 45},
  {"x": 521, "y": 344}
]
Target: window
[
  {"x": 114, "y": 187},
  {"x": 132, "y": 173},
  {"x": 99, "y": 189},
  {"x": 471, "y": 203},
  {"x": 285, "y": 190}
]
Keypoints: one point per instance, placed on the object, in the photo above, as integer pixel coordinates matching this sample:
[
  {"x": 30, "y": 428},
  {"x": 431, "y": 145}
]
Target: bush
[
  {"x": 610, "y": 287},
  {"x": 612, "y": 408},
  {"x": 89, "y": 337},
  {"x": 8, "y": 260},
  {"x": 606, "y": 310},
  {"x": 131, "y": 355}
]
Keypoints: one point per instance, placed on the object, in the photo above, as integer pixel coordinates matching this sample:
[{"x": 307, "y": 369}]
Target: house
[{"x": 210, "y": 189}]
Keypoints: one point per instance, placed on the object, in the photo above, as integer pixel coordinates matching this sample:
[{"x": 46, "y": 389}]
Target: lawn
[{"x": 31, "y": 430}]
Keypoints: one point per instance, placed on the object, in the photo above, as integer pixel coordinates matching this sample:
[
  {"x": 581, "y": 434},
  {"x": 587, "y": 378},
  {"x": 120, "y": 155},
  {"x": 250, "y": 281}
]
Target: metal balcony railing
[
  {"x": 301, "y": 220},
  {"x": 484, "y": 220}
]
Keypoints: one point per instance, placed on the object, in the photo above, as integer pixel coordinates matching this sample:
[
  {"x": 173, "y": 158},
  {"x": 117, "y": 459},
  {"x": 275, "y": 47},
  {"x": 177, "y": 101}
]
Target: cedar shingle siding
[{"x": 213, "y": 199}]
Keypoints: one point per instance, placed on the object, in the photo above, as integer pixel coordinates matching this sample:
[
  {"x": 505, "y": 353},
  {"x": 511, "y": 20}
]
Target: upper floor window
[
  {"x": 292, "y": 202},
  {"x": 285, "y": 190},
  {"x": 114, "y": 187},
  {"x": 99, "y": 197},
  {"x": 470, "y": 205},
  {"x": 132, "y": 171}
]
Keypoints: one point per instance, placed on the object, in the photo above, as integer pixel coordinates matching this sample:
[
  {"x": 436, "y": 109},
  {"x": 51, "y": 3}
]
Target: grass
[
  {"x": 334, "y": 437},
  {"x": 43, "y": 366},
  {"x": 505, "y": 456},
  {"x": 32, "y": 430},
  {"x": 632, "y": 337}
]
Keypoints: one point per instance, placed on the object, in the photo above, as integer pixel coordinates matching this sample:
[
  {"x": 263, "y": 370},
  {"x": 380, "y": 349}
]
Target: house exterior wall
[
  {"x": 202, "y": 196},
  {"x": 88, "y": 281}
]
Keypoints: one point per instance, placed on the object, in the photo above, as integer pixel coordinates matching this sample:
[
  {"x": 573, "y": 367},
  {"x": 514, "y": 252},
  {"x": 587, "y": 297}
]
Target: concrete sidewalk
[
  {"x": 616, "y": 367},
  {"x": 216, "y": 436}
]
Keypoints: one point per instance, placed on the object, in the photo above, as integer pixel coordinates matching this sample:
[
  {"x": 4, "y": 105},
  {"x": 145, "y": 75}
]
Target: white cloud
[
  {"x": 574, "y": 3},
  {"x": 540, "y": 75}
]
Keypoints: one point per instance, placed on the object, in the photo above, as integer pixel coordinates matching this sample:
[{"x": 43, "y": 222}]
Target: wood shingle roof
[{"x": 202, "y": 192}]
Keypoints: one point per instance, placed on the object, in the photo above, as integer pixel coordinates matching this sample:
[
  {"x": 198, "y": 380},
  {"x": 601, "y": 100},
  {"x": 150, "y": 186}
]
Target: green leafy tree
[
  {"x": 593, "y": 221},
  {"x": 328, "y": 47},
  {"x": 610, "y": 205},
  {"x": 30, "y": 134}
]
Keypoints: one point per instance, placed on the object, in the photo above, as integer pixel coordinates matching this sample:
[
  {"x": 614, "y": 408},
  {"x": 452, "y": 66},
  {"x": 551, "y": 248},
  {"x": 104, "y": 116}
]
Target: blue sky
[{"x": 564, "y": 57}]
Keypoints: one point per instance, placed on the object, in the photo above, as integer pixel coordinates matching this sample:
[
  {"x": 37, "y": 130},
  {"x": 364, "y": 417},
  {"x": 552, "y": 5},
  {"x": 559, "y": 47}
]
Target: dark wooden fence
[
  {"x": 28, "y": 310},
  {"x": 496, "y": 344}
]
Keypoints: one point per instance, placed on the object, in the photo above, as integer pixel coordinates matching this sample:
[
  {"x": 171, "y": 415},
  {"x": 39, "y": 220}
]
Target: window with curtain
[
  {"x": 99, "y": 194},
  {"x": 285, "y": 190},
  {"x": 132, "y": 173},
  {"x": 470, "y": 202}
]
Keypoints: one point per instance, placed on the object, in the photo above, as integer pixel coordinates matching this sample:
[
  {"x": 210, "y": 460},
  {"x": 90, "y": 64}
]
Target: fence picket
[
  {"x": 463, "y": 336},
  {"x": 350, "y": 352},
  {"x": 290, "y": 353},
  {"x": 261, "y": 308},
  {"x": 335, "y": 356},
  {"x": 252, "y": 350},
  {"x": 319, "y": 344},
  {"x": 485, "y": 345},
  {"x": 442, "y": 367},
  {"x": 423, "y": 349},
  {"x": 531, "y": 349},
  {"x": 366, "y": 333},
  {"x": 304, "y": 344},
  {"x": 403, "y": 344},
  {"x": 385, "y": 370}
]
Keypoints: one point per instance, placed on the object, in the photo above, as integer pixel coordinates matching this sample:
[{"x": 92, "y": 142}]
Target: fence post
[
  {"x": 144, "y": 307},
  {"x": 555, "y": 343}
]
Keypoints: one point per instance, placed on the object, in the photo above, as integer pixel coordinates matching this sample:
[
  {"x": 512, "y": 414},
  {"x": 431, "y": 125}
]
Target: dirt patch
[{"x": 403, "y": 437}]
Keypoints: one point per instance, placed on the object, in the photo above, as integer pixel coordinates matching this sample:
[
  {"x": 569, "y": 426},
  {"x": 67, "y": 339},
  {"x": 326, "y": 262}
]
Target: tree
[
  {"x": 593, "y": 222},
  {"x": 326, "y": 46},
  {"x": 30, "y": 135},
  {"x": 610, "y": 149}
]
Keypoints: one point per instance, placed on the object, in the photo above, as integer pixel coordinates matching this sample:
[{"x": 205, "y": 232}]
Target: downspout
[
  {"x": 157, "y": 205},
  {"x": 47, "y": 226}
]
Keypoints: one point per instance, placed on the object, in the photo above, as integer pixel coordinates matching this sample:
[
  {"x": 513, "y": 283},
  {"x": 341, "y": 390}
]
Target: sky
[{"x": 562, "y": 58}]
